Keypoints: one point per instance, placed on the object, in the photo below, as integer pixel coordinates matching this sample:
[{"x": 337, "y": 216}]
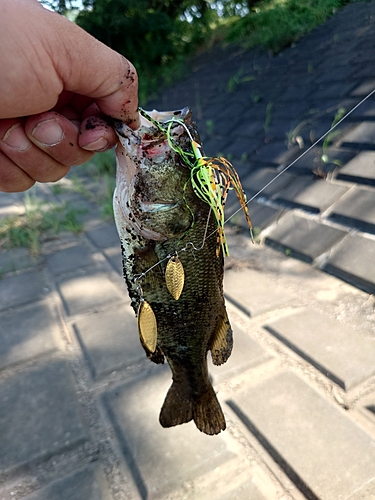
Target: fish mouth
[{"x": 156, "y": 207}]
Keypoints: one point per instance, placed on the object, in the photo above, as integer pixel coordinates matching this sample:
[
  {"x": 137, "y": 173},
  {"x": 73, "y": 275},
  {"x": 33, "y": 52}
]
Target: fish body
[{"x": 161, "y": 222}]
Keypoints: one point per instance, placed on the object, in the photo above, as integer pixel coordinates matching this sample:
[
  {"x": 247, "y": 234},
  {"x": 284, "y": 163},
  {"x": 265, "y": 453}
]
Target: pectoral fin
[{"x": 222, "y": 343}]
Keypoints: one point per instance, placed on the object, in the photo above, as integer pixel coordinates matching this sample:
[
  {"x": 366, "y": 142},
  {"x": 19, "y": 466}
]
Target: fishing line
[{"x": 175, "y": 146}]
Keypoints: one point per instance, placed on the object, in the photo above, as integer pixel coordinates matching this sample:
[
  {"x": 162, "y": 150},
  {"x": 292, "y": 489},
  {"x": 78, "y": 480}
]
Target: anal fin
[{"x": 222, "y": 344}]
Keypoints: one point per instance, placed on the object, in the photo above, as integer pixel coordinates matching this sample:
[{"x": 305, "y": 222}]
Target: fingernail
[
  {"x": 16, "y": 138},
  {"x": 48, "y": 132},
  {"x": 98, "y": 145}
]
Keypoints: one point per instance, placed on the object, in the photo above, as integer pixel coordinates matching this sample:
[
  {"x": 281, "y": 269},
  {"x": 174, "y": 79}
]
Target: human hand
[{"x": 57, "y": 84}]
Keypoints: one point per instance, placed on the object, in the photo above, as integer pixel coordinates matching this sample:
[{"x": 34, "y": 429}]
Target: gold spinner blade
[
  {"x": 175, "y": 277},
  {"x": 147, "y": 326}
]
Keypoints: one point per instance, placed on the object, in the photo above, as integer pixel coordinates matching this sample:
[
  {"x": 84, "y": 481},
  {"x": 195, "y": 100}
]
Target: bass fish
[{"x": 173, "y": 261}]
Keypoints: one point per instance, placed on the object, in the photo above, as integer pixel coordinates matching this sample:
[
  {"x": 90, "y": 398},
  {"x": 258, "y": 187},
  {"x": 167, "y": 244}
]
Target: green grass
[
  {"x": 275, "y": 24},
  {"x": 40, "y": 220}
]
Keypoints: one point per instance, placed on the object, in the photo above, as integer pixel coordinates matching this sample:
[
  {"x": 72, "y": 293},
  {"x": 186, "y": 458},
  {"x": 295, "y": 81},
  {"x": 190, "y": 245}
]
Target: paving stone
[
  {"x": 70, "y": 259},
  {"x": 356, "y": 209},
  {"x": 215, "y": 146},
  {"x": 31, "y": 333},
  {"x": 353, "y": 262},
  {"x": 16, "y": 260},
  {"x": 251, "y": 128},
  {"x": 298, "y": 91},
  {"x": 335, "y": 89},
  {"x": 114, "y": 256},
  {"x": 321, "y": 450},
  {"x": 82, "y": 485},
  {"x": 280, "y": 111},
  {"x": 39, "y": 415},
  {"x": 360, "y": 169},
  {"x": 11, "y": 204},
  {"x": 312, "y": 162},
  {"x": 246, "y": 354},
  {"x": 337, "y": 351},
  {"x": 161, "y": 460},
  {"x": 280, "y": 129},
  {"x": 340, "y": 73},
  {"x": 110, "y": 340},
  {"x": 252, "y": 292},
  {"x": 247, "y": 491},
  {"x": 261, "y": 216},
  {"x": 256, "y": 181},
  {"x": 21, "y": 289},
  {"x": 240, "y": 148},
  {"x": 87, "y": 291},
  {"x": 303, "y": 238},
  {"x": 104, "y": 236},
  {"x": 276, "y": 153},
  {"x": 366, "y": 111},
  {"x": 313, "y": 195},
  {"x": 362, "y": 137}
]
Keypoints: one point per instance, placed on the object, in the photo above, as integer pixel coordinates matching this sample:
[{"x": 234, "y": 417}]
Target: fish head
[{"x": 152, "y": 181}]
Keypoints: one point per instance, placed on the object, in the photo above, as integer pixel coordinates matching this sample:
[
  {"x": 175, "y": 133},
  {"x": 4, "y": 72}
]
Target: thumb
[{"x": 90, "y": 68}]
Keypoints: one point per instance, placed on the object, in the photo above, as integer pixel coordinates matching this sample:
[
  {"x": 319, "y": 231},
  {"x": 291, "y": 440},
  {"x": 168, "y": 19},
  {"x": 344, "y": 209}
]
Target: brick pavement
[{"x": 79, "y": 402}]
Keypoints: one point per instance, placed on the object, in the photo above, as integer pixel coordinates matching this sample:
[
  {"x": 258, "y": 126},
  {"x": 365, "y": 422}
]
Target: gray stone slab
[
  {"x": 114, "y": 256},
  {"x": 11, "y": 210},
  {"x": 362, "y": 137},
  {"x": 297, "y": 92},
  {"x": 360, "y": 169},
  {"x": 246, "y": 354},
  {"x": 364, "y": 89},
  {"x": 39, "y": 415},
  {"x": 366, "y": 111},
  {"x": 30, "y": 333},
  {"x": 110, "y": 340},
  {"x": 21, "y": 289},
  {"x": 340, "y": 73},
  {"x": 252, "y": 292},
  {"x": 69, "y": 259},
  {"x": 322, "y": 451},
  {"x": 82, "y": 485},
  {"x": 239, "y": 148},
  {"x": 16, "y": 259},
  {"x": 335, "y": 89},
  {"x": 259, "y": 179},
  {"x": 86, "y": 291},
  {"x": 161, "y": 460},
  {"x": 312, "y": 162},
  {"x": 353, "y": 261},
  {"x": 367, "y": 492},
  {"x": 214, "y": 146},
  {"x": 276, "y": 153},
  {"x": 313, "y": 195},
  {"x": 104, "y": 236},
  {"x": 261, "y": 216},
  {"x": 247, "y": 491},
  {"x": 303, "y": 238},
  {"x": 337, "y": 351},
  {"x": 251, "y": 128},
  {"x": 356, "y": 209}
]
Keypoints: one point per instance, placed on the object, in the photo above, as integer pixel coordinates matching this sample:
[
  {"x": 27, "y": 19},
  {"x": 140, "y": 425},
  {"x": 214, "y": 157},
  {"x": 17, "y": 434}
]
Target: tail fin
[
  {"x": 207, "y": 413},
  {"x": 177, "y": 407},
  {"x": 180, "y": 407}
]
